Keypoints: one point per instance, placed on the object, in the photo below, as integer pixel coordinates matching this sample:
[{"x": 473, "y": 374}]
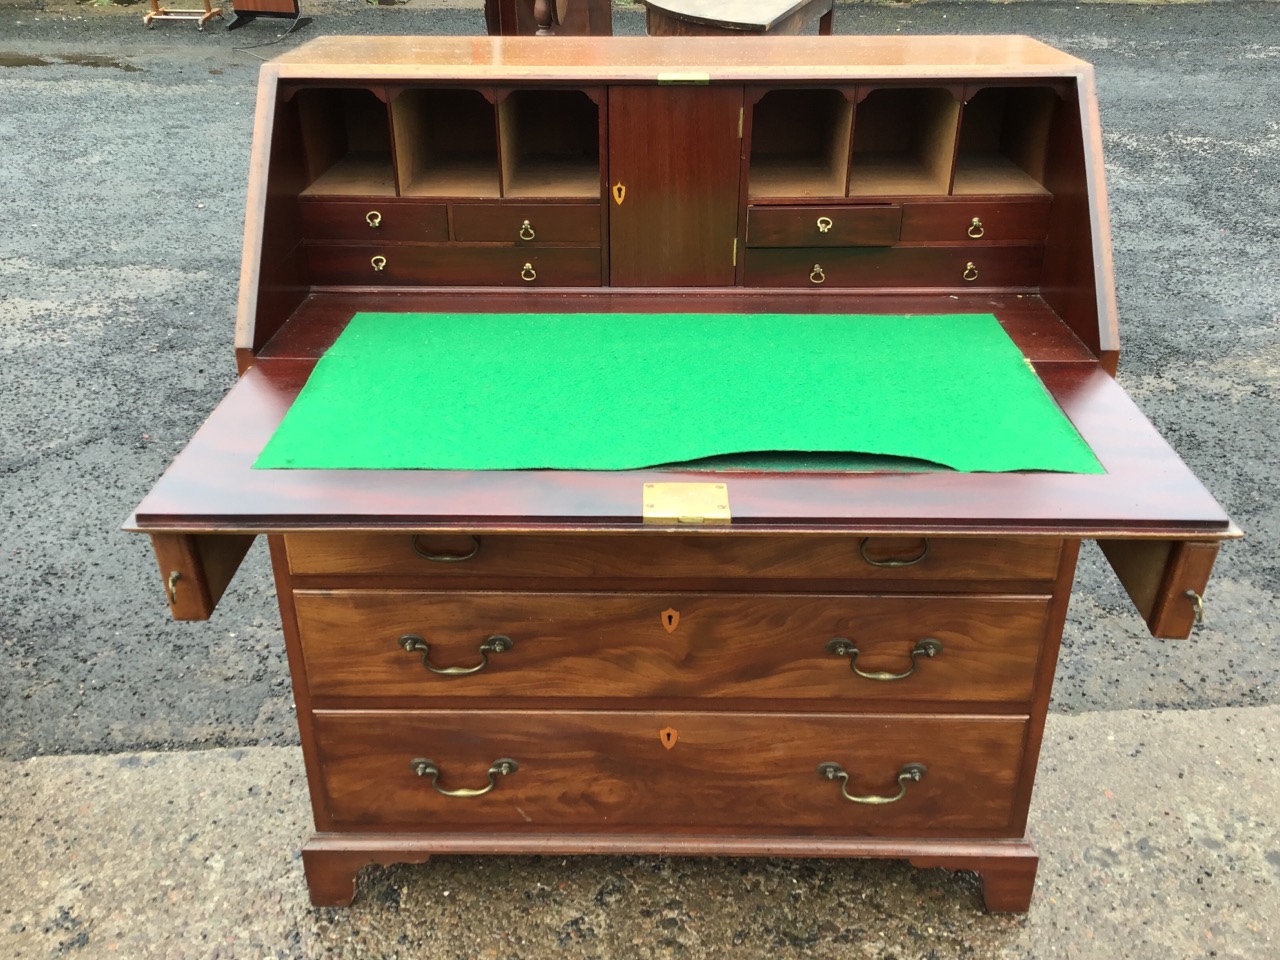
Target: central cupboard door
[{"x": 673, "y": 212}]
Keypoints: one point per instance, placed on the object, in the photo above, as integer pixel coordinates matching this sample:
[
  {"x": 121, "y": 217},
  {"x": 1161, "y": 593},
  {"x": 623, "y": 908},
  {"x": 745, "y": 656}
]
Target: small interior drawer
[
  {"x": 441, "y": 265},
  {"x": 846, "y": 651},
  {"x": 949, "y": 266},
  {"x": 869, "y": 225},
  {"x": 527, "y": 222},
  {"x": 999, "y": 221},
  {"x": 710, "y": 772},
  {"x": 374, "y": 220},
  {"x": 487, "y": 559}
]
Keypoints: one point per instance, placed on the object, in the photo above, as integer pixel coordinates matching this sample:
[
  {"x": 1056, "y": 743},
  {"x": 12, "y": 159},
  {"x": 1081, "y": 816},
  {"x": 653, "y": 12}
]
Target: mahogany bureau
[{"x": 855, "y": 663}]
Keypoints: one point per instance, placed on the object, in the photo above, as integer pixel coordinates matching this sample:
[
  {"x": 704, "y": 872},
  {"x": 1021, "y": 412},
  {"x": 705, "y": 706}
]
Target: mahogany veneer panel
[
  {"x": 1000, "y": 221},
  {"x": 918, "y": 267},
  {"x": 628, "y": 645},
  {"x": 397, "y": 220},
  {"x": 1037, "y": 331},
  {"x": 638, "y": 59},
  {"x": 672, "y": 555},
  {"x": 611, "y": 769},
  {"x": 417, "y": 264},
  {"x": 677, "y": 219},
  {"x": 1025, "y": 318},
  {"x": 870, "y": 225},
  {"x": 548, "y": 222}
]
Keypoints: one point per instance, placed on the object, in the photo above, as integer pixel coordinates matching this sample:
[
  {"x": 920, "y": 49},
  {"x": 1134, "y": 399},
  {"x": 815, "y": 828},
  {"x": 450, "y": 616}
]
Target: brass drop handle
[
  {"x": 910, "y": 773},
  {"x": 824, "y": 224},
  {"x": 446, "y": 557},
  {"x": 526, "y": 231},
  {"x": 1198, "y": 602},
  {"x": 373, "y": 218},
  {"x": 498, "y": 643},
  {"x": 843, "y": 647},
  {"x": 970, "y": 271},
  {"x": 976, "y": 229},
  {"x": 816, "y": 274},
  {"x": 378, "y": 263},
  {"x": 924, "y": 552},
  {"x": 527, "y": 272},
  {"x": 427, "y": 768}
]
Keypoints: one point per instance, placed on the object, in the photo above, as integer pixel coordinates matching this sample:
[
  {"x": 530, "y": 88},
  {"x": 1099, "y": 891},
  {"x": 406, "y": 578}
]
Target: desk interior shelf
[
  {"x": 800, "y": 144},
  {"x": 550, "y": 142},
  {"x": 346, "y": 143},
  {"x": 1004, "y": 132},
  {"x": 903, "y": 141},
  {"x": 446, "y": 143}
]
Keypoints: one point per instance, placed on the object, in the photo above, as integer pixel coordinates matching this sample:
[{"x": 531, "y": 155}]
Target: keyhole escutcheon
[
  {"x": 670, "y": 619},
  {"x": 668, "y": 736}
]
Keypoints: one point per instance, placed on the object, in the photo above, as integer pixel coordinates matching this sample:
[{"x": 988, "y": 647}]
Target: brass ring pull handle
[
  {"x": 862, "y": 552},
  {"x": 970, "y": 271},
  {"x": 528, "y": 273},
  {"x": 976, "y": 229},
  {"x": 1198, "y": 601},
  {"x": 824, "y": 224},
  {"x": 816, "y": 274},
  {"x": 842, "y": 647},
  {"x": 427, "y": 768},
  {"x": 526, "y": 231},
  {"x": 910, "y": 773},
  {"x": 373, "y": 218},
  {"x": 446, "y": 557},
  {"x": 498, "y": 643},
  {"x": 378, "y": 263}
]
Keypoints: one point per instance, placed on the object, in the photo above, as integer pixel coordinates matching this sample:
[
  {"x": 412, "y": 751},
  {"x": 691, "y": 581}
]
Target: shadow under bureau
[{"x": 855, "y": 663}]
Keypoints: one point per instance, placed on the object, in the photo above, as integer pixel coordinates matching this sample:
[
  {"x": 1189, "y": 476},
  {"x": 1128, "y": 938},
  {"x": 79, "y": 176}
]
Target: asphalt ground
[{"x": 123, "y": 161}]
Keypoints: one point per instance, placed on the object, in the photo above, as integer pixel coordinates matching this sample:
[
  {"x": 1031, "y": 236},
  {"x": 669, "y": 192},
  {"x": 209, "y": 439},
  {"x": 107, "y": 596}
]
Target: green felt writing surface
[{"x": 620, "y": 391}]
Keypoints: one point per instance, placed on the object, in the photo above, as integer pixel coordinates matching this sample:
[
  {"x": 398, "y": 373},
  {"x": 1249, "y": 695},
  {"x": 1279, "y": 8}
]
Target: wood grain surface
[
  {"x": 595, "y": 646},
  {"x": 728, "y": 772},
  {"x": 508, "y": 559}
]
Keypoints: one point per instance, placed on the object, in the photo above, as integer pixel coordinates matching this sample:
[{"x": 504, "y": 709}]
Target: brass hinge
[
  {"x": 735, "y": 251},
  {"x": 740, "y": 123},
  {"x": 686, "y": 503}
]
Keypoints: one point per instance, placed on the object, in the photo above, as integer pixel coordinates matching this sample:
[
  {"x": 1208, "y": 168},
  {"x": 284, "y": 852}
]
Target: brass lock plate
[{"x": 686, "y": 503}]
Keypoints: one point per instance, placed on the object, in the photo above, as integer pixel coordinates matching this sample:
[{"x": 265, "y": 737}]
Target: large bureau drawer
[
  {"x": 671, "y": 645},
  {"x": 445, "y": 264},
  {"x": 705, "y": 772},
  {"x": 949, "y": 266},
  {"x": 646, "y": 556}
]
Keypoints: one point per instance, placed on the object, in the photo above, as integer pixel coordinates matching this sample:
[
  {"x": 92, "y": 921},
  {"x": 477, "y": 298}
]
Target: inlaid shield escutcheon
[
  {"x": 668, "y": 736},
  {"x": 670, "y": 619}
]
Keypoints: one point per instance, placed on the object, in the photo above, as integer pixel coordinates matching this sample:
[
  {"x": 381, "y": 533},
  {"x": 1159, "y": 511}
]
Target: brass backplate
[{"x": 691, "y": 503}]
